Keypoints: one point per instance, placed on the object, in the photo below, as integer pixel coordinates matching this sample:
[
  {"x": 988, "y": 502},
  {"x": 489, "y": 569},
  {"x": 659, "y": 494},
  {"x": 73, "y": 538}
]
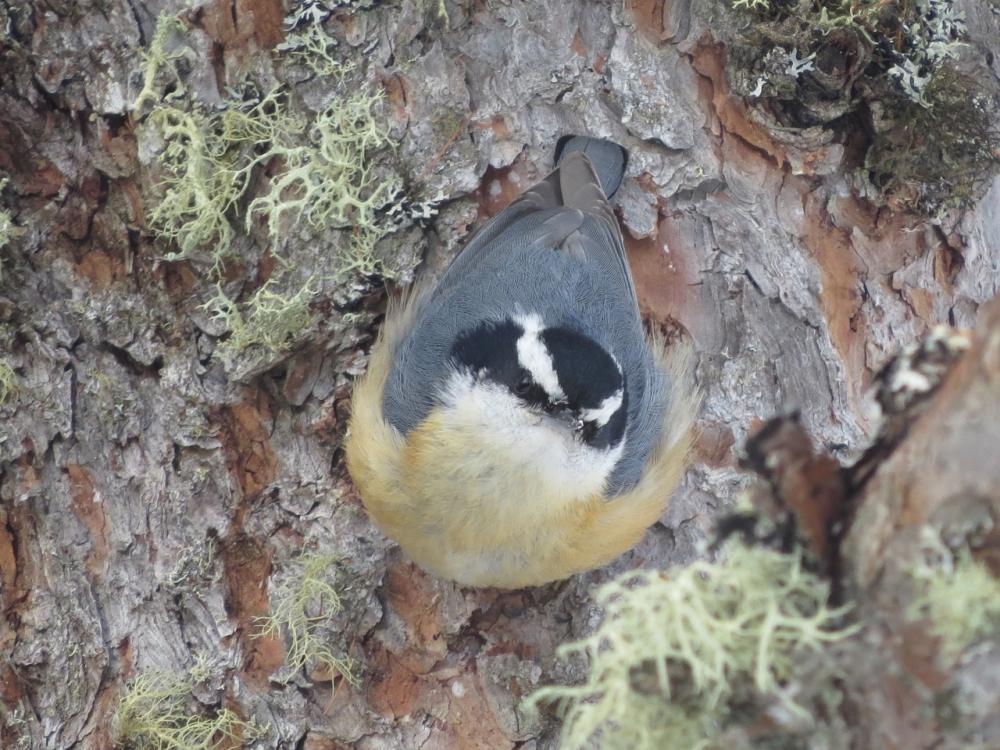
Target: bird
[{"x": 516, "y": 425}]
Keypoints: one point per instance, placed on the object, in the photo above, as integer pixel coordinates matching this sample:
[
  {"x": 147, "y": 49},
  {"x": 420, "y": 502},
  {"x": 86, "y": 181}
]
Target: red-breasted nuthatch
[{"x": 515, "y": 425}]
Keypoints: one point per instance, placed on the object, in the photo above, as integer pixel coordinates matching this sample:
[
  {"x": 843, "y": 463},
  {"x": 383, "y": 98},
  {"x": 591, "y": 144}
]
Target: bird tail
[{"x": 607, "y": 157}]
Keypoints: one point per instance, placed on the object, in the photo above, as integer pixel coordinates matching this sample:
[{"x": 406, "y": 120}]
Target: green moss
[
  {"x": 959, "y": 597},
  {"x": 269, "y": 319},
  {"x": 154, "y": 714},
  {"x": 304, "y": 613},
  {"x": 676, "y": 652},
  {"x": 939, "y": 154},
  {"x": 843, "y": 71},
  {"x": 8, "y": 382}
]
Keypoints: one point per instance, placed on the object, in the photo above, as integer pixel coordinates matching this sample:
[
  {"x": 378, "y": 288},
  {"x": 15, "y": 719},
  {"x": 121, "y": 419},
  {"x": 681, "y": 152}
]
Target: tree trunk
[{"x": 156, "y": 499}]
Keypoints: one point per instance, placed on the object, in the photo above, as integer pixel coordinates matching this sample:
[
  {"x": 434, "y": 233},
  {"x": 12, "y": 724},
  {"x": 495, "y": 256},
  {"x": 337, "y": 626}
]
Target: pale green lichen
[
  {"x": 200, "y": 185},
  {"x": 304, "y": 613},
  {"x": 329, "y": 180},
  {"x": 159, "y": 62},
  {"x": 208, "y": 159},
  {"x": 8, "y": 230},
  {"x": 674, "y": 649},
  {"x": 8, "y": 382},
  {"x": 156, "y": 714},
  {"x": 860, "y": 17},
  {"x": 314, "y": 12},
  {"x": 311, "y": 47},
  {"x": 958, "y": 596},
  {"x": 17, "y": 727},
  {"x": 269, "y": 319},
  {"x": 326, "y": 174},
  {"x": 195, "y": 565},
  {"x": 440, "y": 12}
]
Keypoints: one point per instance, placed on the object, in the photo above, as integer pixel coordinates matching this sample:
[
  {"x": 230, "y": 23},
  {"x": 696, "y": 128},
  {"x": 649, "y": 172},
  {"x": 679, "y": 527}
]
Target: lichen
[
  {"x": 304, "y": 13},
  {"x": 155, "y": 714},
  {"x": 269, "y": 319},
  {"x": 910, "y": 39},
  {"x": 328, "y": 180},
  {"x": 310, "y": 47},
  {"x": 199, "y": 185},
  {"x": 958, "y": 596},
  {"x": 8, "y": 230},
  {"x": 440, "y": 12},
  {"x": 8, "y": 382},
  {"x": 16, "y": 726},
  {"x": 325, "y": 174},
  {"x": 159, "y": 62},
  {"x": 304, "y": 613},
  {"x": 195, "y": 565},
  {"x": 676, "y": 651}
]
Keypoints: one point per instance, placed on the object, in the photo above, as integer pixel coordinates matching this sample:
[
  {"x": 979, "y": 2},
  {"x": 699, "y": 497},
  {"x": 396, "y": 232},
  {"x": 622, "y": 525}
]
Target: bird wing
[{"x": 568, "y": 212}]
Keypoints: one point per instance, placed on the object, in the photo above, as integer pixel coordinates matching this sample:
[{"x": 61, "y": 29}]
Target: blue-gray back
[{"x": 556, "y": 252}]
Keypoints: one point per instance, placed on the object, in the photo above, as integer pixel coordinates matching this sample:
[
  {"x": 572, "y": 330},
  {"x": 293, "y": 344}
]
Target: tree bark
[{"x": 153, "y": 502}]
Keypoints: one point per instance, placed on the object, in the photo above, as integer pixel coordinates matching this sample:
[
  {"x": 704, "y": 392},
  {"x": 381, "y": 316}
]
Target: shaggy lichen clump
[
  {"x": 199, "y": 185},
  {"x": 268, "y": 319},
  {"x": 958, "y": 596},
  {"x": 159, "y": 61},
  {"x": 326, "y": 174},
  {"x": 8, "y": 382},
  {"x": 304, "y": 613},
  {"x": 325, "y": 177},
  {"x": 837, "y": 68},
  {"x": 156, "y": 714},
  {"x": 676, "y": 653}
]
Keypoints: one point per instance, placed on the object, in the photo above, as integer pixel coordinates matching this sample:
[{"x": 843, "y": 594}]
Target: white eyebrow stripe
[
  {"x": 605, "y": 411},
  {"x": 534, "y": 357}
]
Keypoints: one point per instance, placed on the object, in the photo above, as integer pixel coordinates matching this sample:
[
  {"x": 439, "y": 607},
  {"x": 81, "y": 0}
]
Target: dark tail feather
[{"x": 607, "y": 157}]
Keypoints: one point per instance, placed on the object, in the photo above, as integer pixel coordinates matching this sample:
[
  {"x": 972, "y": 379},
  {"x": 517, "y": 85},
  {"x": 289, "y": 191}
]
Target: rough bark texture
[{"x": 151, "y": 499}]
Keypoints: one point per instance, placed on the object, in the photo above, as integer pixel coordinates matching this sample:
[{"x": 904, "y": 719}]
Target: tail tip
[{"x": 608, "y": 158}]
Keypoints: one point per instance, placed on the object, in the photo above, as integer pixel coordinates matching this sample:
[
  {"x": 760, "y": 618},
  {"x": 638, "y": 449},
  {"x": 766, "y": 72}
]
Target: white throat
[{"x": 540, "y": 450}]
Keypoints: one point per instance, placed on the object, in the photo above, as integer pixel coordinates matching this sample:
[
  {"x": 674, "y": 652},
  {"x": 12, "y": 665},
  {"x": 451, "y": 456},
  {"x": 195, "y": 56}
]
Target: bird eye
[
  {"x": 524, "y": 384},
  {"x": 587, "y": 430},
  {"x": 557, "y": 409}
]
